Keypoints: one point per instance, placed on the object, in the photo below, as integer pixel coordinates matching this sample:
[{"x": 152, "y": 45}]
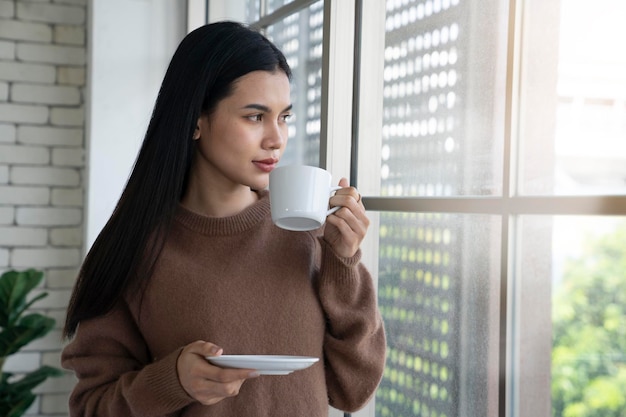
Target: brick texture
[{"x": 43, "y": 55}]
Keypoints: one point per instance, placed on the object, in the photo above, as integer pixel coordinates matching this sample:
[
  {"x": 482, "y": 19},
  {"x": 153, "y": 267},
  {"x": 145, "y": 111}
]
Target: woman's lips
[{"x": 266, "y": 165}]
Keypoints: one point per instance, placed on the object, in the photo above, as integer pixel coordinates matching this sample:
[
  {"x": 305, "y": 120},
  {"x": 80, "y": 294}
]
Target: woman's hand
[
  {"x": 206, "y": 383},
  {"x": 346, "y": 227}
]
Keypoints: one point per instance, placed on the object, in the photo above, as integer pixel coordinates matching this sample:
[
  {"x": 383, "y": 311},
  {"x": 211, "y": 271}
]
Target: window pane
[
  {"x": 253, "y": 10},
  {"x": 443, "y": 94},
  {"x": 574, "y": 98},
  {"x": 572, "y": 349},
  {"x": 438, "y": 292},
  {"x": 299, "y": 36},
  {"x": 272, "y": 5}
]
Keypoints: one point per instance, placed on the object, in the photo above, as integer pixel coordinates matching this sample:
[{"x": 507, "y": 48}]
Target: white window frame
[{"x": 514, "y": 388}]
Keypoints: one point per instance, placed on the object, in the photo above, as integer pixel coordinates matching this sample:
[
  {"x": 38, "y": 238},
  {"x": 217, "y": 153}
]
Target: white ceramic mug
[{"x": 299, "y": 197}]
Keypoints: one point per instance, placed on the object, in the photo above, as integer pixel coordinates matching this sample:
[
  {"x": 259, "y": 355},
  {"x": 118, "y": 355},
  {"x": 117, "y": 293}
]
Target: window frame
[{"x": 510, "y": 206}]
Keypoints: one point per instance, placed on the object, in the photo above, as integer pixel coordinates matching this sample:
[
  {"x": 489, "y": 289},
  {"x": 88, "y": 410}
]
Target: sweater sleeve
[
  {"x": 116, "y": 374},
  {"x": 355, "y": 344}
]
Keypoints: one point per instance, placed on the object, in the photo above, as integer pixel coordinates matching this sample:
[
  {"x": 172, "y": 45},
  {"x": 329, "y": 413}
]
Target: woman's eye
[{"x": 259, "y": 117}]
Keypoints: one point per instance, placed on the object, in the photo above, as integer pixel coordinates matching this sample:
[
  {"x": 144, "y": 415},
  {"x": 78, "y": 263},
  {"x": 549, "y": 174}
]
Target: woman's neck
[{"x": 215, "y": 202}]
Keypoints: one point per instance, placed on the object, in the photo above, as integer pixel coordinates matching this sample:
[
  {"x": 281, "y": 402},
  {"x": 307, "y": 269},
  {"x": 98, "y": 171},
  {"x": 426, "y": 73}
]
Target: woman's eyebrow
[{"x": 265, "y": 109}]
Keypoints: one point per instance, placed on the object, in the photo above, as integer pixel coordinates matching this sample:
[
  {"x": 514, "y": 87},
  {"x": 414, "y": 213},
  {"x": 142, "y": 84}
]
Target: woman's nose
[{"x": 275, "y": 136}]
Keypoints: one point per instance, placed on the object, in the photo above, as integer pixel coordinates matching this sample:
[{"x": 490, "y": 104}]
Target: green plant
[
  {"x": 17, "y": 330},
  {"x": 589, "y": 311}
]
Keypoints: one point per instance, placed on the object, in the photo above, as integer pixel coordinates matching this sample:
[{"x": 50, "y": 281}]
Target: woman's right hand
[{"x": 207, "y": 383}]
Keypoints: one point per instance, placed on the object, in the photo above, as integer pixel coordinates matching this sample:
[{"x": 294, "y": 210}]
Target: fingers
[
  {"x": 207, "y": 383},
  {"x": 350, "y": 221},
  {"x": 352, "y": 211},
  {"x": 204, "y": 348},
  {"x": 341, "y": 196},
  {"x": 352, "y": 225}
]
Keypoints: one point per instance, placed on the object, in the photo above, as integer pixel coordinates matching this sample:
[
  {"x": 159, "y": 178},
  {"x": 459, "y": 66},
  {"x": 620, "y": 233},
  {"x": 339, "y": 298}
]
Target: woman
[{"x": 190, "y": 265}]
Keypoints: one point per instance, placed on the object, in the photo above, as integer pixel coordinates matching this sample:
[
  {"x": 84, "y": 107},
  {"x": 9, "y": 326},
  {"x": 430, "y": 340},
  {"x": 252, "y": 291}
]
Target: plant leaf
[
  {"x": 30, "y": 327},
  {"x": 34, "y": 300},
  {"x": 14, "y": 288},
  {"x": 17, "y": 331},
  {"x": 13, "y": 402},
  {"x": 32, "y": 379},
  {"x": 16, "y": 407},
  {"x": 17, "y": 397}
]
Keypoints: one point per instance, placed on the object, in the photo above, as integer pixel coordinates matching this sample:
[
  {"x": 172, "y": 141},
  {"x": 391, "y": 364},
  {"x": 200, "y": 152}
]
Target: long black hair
[{"x": 201, "y": 73}]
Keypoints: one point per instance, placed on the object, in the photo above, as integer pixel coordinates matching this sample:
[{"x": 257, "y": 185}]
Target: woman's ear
[
  {"x": 196, "y": 133},
  {"x": 201, "y": 124}
]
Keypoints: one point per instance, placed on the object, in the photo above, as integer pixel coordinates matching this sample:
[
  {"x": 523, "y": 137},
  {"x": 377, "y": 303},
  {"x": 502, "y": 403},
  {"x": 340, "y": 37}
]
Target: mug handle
[{"x": 334, "y": 209}]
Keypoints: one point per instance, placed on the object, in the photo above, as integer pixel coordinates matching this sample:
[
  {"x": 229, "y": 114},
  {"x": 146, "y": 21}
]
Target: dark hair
[{"x": 201, "y": 73}]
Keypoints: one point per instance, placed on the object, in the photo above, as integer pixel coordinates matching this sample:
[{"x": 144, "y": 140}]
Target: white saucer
[{"x": 264, "y": 364}]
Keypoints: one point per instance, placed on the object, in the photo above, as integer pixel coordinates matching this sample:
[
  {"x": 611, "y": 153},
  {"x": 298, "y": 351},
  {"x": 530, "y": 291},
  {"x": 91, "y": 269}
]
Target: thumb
[
  {"x": 203, "y": 348},
  {"x": 343, "y": 182}
]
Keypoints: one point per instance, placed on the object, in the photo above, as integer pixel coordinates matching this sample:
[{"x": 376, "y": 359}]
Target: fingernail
[
  {"x": 253, "y": 374},
  {"x": 215, "y": 350}
]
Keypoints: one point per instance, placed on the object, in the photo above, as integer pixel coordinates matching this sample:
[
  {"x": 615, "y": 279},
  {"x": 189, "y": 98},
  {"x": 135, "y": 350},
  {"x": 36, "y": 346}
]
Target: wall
[
  {"x": 42, "y": 113},
  {"x": 77, "y": 83},
  {"x": 131, "y": 44}
]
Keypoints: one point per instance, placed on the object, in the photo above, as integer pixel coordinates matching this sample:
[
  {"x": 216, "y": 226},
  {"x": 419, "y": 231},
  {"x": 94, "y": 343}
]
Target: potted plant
[{"x": 17, "y": 329}]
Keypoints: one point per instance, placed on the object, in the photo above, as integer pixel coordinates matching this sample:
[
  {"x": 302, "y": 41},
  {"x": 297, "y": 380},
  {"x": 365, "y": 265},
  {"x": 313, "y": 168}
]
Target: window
[
  {"x": 299, "y": 36},
  {"x": 489, "y": 141},
  {"x": 439, "y": 271}
]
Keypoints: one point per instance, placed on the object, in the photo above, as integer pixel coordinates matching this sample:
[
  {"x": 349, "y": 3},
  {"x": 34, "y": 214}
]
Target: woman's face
[{"x": 241, "y": 142}]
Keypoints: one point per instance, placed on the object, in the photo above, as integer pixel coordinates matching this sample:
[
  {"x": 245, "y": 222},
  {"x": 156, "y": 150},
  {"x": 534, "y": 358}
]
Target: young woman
[{"x": 191, "y": 266}]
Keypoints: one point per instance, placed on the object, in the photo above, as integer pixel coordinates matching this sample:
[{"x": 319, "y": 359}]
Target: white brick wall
[
  {"x": 42, "y": 153},
  {"x": 7, "y": 132},
  {"x": 19, "y": 71},
  {"x": 7, "y": 50},
  {"x": 7, "y": 8}
]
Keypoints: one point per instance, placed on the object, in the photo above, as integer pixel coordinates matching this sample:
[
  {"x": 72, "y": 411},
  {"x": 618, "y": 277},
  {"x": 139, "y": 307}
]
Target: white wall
[{"x": 131, "y": 43}]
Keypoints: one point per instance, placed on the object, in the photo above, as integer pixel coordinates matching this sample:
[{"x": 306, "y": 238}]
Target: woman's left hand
[{"x": 346, "y": 228}]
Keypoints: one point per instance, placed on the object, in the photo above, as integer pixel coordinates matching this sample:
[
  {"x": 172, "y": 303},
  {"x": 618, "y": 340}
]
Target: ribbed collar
[{"x": 223, "y": 226}]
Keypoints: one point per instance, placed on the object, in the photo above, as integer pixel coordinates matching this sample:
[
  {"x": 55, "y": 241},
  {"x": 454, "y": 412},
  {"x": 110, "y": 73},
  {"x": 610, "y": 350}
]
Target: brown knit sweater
[{"x": 251, "y": 288}]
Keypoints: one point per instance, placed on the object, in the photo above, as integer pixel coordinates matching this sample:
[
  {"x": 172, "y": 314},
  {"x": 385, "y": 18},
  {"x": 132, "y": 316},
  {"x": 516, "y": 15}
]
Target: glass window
[
  {"x": 254, "y": 6},
  {"x": 572, "y": 304},
  {"x": 273, "y": 5},
  {"x": 299, "y": 36},
  {"x": 438, "y": 289},
  {"x": 573, "y": 120},
  {"x": 470, "y": 105},
  {"x": 253, "y": 10},
  {"x": 439, "y": 274},
  {"x": 443, "y": 81}
]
